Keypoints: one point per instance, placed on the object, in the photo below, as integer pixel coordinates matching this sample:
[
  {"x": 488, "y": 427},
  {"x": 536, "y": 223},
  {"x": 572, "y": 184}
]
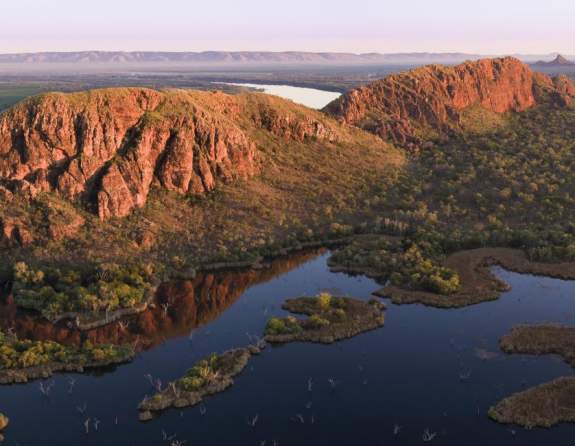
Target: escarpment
[
  {"x": 107, "y": 148},
  {"x": 408, "y": 107}
]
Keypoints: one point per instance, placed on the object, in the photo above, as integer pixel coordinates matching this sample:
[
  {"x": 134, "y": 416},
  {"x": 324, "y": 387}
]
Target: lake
[
  {"x": 310, "y": 97},
  {"x": 406, "y": 373}
]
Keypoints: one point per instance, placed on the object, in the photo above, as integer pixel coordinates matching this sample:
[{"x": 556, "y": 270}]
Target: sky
[{"x": 472, "y": 26}]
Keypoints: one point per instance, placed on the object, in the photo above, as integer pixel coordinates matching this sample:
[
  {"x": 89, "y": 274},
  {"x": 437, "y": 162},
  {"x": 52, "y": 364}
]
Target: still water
[
  {"x": 310, "y": 97},
  {"x": 406, "y": 373}
]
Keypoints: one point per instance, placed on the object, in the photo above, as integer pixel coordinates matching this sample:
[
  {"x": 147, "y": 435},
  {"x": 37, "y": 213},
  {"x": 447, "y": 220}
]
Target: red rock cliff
[
  {"x": 403, "y": 106},
  {"x": 107, "y": 148}
]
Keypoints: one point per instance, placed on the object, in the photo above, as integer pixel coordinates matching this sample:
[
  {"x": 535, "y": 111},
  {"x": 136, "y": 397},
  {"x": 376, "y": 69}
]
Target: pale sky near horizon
[{"x": 483, "y": 26}]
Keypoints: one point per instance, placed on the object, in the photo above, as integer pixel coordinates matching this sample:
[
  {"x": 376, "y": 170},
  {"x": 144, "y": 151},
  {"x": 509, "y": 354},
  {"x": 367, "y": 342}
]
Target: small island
[
  {"x": 209, "y": 376},
  {"x": 330, "y": 319},
  {"x": 25, "y": 360},
  {"x": 543, "y": 406},
  {"x": 547, "y": 404}
]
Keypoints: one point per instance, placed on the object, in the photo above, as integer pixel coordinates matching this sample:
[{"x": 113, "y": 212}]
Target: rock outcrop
[
  {"x": 107, "y": 148},
  {"x": 431, "y": 100}
]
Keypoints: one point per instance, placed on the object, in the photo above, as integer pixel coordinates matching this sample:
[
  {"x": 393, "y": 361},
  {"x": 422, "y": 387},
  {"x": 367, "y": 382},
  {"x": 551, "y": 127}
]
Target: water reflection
[{"x": 180, "y": 307}]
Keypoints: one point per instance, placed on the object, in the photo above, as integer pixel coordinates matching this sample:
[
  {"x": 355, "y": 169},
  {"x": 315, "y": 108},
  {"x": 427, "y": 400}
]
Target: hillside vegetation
[{"x": 181, "y": 179}]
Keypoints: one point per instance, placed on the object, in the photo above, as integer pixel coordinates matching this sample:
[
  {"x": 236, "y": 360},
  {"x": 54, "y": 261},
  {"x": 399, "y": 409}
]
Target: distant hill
[
  {"x": 241, "y": 57},
  {"x": 559, "y": 61},
  {"x": 250, "y": 57}
]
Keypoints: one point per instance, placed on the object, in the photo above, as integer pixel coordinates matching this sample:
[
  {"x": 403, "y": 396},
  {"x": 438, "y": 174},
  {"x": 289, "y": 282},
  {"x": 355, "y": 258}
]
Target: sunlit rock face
[
  {"x": 106, "y": 148},
  {"x": 402, "y": 107}
]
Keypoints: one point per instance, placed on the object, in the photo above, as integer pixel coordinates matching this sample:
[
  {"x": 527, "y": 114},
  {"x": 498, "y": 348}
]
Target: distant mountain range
[{"x": 245, "y": 57}]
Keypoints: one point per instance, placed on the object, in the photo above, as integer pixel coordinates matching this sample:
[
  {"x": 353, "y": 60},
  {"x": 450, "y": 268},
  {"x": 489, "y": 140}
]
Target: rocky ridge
[
  {"x": 407, "y": 107},
  {"x": 107, "y": 148}
]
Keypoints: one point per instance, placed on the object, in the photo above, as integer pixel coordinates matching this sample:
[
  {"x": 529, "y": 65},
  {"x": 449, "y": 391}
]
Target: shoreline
[
  {"x": 478, "y": 283},
  {"x": 547, "y": 404},
  {"x": 84, "y": 321},
  {"x": 25, "y": 375}
]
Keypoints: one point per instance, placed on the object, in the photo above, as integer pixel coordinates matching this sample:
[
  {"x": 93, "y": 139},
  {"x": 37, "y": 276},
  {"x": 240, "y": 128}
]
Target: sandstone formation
[
  {"x": 431, "y": 100},
  {"x": 107, "y": 148}
]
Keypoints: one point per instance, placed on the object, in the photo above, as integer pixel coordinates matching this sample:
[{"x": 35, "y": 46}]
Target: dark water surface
[{"x": 405, "y": 374}]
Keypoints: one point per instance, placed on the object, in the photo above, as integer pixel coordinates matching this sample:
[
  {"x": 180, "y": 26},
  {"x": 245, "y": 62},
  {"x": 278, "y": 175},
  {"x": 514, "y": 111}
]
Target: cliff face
[
  {"x": 107, "y": 148},
  {"x": 404, "y": 106}
]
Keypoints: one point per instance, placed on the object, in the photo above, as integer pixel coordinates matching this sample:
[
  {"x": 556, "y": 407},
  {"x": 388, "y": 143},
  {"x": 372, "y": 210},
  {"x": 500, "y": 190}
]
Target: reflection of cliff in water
[{"x": 180, "y": 307}]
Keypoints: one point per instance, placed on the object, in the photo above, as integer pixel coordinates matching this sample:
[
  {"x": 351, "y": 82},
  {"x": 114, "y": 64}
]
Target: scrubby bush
[
  {"x": 203, "y": 373},
  {"x": 315, "y": 321},
  {"x": 339, "y": 315},
  {"x": 324, "y": 300},
  {"x": 54, "y": 291},
  {"x": 409, "y": 265},
  {"x": 277, "y": 326},
  {"x": 18, "y": 354}
]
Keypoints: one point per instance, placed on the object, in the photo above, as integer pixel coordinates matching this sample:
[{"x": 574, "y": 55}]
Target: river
[
  {"x": 406, "y": 373},
  {"x": 310, "y": 97}
]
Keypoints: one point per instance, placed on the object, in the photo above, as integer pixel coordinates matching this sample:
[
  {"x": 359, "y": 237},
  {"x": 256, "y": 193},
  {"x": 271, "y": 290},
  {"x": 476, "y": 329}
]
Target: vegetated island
[
  {"x": 330, "y": 319},
  {"x": 209, "y": 376},
  {"x": 25, "y": 360},
  {"x": 547, "y": 404}
]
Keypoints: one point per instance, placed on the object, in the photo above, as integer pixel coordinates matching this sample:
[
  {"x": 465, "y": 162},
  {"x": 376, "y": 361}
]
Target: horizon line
[{"x": 361, "y": 53}]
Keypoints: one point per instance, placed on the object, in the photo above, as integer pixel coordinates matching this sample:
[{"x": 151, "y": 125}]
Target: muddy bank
[
  {"x": 477, "y": 283},
  {"x": 543, "y": 406},
  {"x": 550, "y": 403},
  {"x": 544, "y": 339},
  {"x": 330, "y": 319}
]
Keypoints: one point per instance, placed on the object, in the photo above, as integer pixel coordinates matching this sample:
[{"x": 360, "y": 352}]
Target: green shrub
[
  {"x": 17, "y": 354},
  {"x": 324, "y": 300},
  {"x": 54, "y": 291},
  {"x": 339, "y": 314},
  {"x": 316, "y": 322}
]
